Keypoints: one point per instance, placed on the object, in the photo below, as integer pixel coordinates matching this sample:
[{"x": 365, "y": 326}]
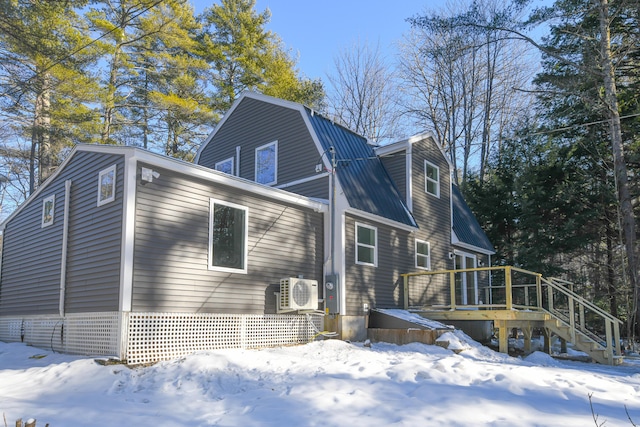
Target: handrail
[{"x": 554, "y": 286}]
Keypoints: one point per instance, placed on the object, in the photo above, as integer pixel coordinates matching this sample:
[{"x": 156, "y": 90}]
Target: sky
[
  {"x": 324, "y": 383},
  {"x": 317, "y": 31}
]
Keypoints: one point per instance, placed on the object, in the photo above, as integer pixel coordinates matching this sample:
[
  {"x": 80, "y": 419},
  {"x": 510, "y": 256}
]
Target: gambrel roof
[{"x": 364, "y": 180}]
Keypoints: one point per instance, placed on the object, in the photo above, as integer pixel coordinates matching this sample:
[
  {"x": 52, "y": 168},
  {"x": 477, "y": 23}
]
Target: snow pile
[{"x": 324, "y": 383}]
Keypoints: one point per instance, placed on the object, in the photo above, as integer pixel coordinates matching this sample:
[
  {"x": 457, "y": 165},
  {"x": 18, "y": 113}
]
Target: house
[
  {"x": 392, "y": 209},
  {"x": 127, "y": 253}
]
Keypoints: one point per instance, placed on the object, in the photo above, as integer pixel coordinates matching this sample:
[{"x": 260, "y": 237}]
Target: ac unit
[{"x": 298, "y": 294}]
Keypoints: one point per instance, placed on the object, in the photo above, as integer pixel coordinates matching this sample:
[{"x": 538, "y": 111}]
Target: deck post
[
  {"x": 608, "y": 324},
  {"x": 527, "y": 332},
  {"x": 508, "y": 289},
  {"x": 406, "y": 290},
  {"x": 616, "y": 336},
  {"x": 452, "y": 288},
  {"x": 572, "y": 317},
  {"x": 539, "y": 290},
  {"x": 503, "y": 336}
]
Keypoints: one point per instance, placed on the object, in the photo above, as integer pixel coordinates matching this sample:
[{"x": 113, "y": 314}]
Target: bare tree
[
  {"x": 464, "y": 84},
  {"x": 363, "y": 96}
]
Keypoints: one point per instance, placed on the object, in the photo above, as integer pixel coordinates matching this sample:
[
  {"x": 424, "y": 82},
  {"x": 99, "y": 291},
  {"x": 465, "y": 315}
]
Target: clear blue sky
[{"x": 318, "y": 30}]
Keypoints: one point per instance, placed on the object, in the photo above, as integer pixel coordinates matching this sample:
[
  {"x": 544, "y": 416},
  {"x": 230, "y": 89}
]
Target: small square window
[
  {"x": 48, "y": 210},
  {"x": 366, "y": 245},
  {"x": 432, "y": 178},
  {"x": 225, "y": 166},
  {"x": 107, "y": 185},
  {"x": 423, "y": 255},
  {"x": 267, "y": 163}
]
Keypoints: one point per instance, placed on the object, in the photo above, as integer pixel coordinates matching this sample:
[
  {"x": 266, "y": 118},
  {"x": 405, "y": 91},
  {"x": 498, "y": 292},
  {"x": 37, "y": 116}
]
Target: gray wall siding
[
  {"x": 171, "y": 249},
  {"x": 318, "y": 188},
  {"x": 433, "y": 216},
  {"x": 381, "y": 286},
  {"x": 31, "y": 262},
  {"x": 396, "y": 165},
  {"x": 255, "y": 123}
]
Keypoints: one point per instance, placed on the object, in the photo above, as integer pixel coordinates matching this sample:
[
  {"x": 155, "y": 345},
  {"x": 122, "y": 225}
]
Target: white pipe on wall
[{"x": 65, "y": 234}]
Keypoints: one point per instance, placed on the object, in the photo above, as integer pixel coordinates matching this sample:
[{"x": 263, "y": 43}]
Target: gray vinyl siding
[
  {"x": 433, "y": 216},
  {"x": 396, "y": 165},
  {"x": 317, "y": 188},
  {"x": 381, "y": 286},
  {"x": 32, "y": 255},
  {"x": 171, "y": 248},
  {"x": 255, "y": 123}
]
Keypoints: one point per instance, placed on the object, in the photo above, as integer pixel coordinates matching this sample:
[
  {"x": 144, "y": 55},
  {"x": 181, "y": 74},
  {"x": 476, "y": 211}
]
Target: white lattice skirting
[{"x": 149, "y": 337}]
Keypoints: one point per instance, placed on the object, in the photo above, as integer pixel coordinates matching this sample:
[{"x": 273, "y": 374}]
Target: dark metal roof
[
  {"x": 365, "y": 181},
  {"x": 465, "y": 224}
]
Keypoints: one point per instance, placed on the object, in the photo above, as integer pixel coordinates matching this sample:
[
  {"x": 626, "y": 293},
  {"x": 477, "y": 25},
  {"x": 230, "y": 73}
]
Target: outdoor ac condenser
[{"x": 298, "y": 294}]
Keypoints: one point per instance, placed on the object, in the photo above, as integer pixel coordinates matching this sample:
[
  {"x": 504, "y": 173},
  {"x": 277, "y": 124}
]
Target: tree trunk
[
  {"x": 619, "y": 164},
  {"x": 41, "y": 150}
]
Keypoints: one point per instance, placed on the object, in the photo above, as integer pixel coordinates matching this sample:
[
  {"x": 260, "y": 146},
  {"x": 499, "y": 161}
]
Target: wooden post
[
  {"x": 539, "y": 290},
  {"x": 572, "y": 318},
  {"x": 406, "y": 291},
  {"x": 503, "y": 336},
  {"x": 546, "y": 332},
  {"x": 616, "y": 337},
  {"x": 608, "y": 325},
  {"x": 508, "y": 290},
  {"x": 526, "y": 331},
  {"x": 452, "y": 289}
]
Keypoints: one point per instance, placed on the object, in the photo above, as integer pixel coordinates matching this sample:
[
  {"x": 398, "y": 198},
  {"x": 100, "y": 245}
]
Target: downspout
[
  {"x": 238, "y": 160},
  {"x": 65, "y": 238}
]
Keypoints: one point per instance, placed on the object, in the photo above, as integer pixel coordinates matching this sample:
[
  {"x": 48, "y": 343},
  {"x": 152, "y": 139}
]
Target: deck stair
[{"x": 517, "y": 298}]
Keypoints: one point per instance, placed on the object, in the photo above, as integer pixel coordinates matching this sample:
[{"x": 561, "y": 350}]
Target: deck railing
[{"x": 512, "y": 288}]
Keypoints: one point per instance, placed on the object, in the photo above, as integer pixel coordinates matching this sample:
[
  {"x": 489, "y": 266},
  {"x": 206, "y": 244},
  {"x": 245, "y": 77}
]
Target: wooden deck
[{"x": 524, "y": 300}]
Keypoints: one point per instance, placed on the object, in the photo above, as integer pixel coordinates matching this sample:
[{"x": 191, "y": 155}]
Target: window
[
  {"x": 267, "y": 163},
  {"x": 225, "y": 166},
  {"x": 366, "y": 245},
  {"x": 423, "y": 255},
  {"x": 228, "y": 224},
  {"x": 48, "y": 209},
  {"x": 107, "y": 185},
  {"x": 432, "y": 179}
]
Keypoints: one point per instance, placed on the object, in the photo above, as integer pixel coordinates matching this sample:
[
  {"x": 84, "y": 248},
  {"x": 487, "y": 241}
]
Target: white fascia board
[
  {"x": 381, "y": 220},
  {"x": 455, "y": 241},
  {"x": 303, "y": 180},
  {"x": 211, "y": 175},
  {"x": 40, "y": 188}
]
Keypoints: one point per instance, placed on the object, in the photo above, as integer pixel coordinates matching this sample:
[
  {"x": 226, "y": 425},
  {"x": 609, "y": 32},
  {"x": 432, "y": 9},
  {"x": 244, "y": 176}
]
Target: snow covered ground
[{"x": 324, "y": 383}]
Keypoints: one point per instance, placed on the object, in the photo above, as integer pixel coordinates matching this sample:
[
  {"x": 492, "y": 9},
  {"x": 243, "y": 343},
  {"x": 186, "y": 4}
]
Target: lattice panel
[
  {"x": 87, "y": 334},
  {"x": 93, "y": 333},
  {"x": 163, "y": 336}
]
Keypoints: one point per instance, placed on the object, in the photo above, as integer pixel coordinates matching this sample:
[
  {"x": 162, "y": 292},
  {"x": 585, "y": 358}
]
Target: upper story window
[
  {"x": 107, "y": 185},
  {"x": 228, "y": 225},
  {"x": 267, "y": 163},
  {"x": 225, "y": 166},
  {"x": 432, "y": 178},
  {"x": 366, "y": 245},
  {"x": 423, "y": 255},
  {"x": 48, "y": 209}
]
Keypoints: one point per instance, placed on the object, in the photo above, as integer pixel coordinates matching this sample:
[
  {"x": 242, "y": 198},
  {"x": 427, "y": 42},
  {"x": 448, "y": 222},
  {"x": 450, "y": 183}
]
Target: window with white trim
[
  {"x": 423, "y": 255},
  {"x": 431, "y": 178},
  {"x": 48, "y": 210},
  {"x": 225, "y": 166},
  {"x": 267, "y": 163},
  {"x": 107, "y": 185},
  {"x": 228, "y": 239},
  {"x": 366, "y": 245}
]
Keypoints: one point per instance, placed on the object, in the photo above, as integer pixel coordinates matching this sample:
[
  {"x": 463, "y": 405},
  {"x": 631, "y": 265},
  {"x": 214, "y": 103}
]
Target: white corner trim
[{"x": 130, "y": 172}]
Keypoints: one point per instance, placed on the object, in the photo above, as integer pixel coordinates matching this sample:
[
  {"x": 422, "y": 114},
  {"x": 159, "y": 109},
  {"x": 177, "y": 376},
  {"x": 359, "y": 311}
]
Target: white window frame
[
  {"x": 52, "y": 200},
  {"x": 428, "y": 180},
  {"x": 358, "y": 245},
  {"x": 420, "y": 255},
  {"x": 222, "y": 162},
  {"x": 275, "y": 162},
  {"x": 210, "y": 266},
  {"x": 112, "y": 197}
]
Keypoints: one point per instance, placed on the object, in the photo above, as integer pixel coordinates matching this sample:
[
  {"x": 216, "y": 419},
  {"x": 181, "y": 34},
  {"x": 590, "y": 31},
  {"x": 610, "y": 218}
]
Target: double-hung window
[
  {"x": 228, "y": 225},
  {"x": 48, "y": 210},
  {"x": 423, "y": 255},
  {"x": 267, "y": 163},
  {"x": 431, "y": 178},
  {"x": 366, "y": 245},
  {"x": 107, "y": 185}
]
